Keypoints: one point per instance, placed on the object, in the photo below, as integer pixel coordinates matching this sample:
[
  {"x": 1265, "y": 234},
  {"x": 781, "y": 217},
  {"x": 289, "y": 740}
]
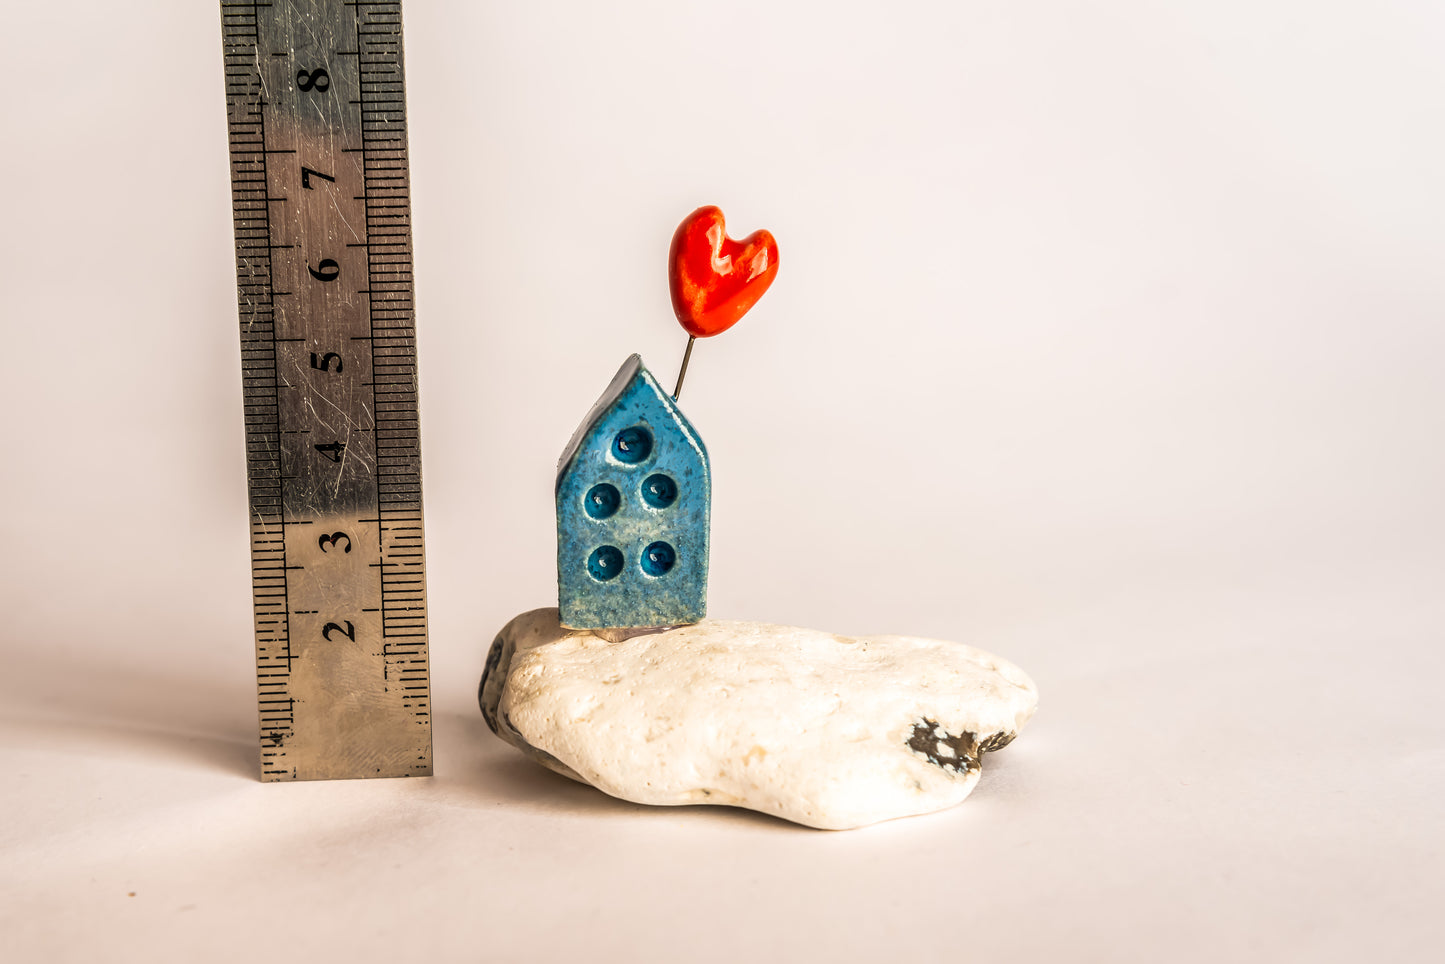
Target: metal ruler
[{"x": 321, "y": 202}]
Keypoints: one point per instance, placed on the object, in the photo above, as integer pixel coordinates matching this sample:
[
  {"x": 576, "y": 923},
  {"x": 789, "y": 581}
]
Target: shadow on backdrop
[{"x": 90, "y": 704}]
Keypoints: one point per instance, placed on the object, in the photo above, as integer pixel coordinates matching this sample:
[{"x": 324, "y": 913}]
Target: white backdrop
[{"x": 1107, "y": 336}]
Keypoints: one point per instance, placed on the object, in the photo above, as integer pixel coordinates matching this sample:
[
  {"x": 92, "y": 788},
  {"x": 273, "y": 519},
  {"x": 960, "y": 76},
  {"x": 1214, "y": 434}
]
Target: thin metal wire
[{"x": 683, "y": 374}]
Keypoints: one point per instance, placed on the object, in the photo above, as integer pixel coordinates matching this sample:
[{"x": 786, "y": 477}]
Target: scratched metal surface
[{"x": 320, "y": 193}]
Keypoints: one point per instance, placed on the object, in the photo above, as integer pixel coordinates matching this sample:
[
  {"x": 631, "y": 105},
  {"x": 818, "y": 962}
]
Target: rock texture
[{"x": 824, "y": 730}]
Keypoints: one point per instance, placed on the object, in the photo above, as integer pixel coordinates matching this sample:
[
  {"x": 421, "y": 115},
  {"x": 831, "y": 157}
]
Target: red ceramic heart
[{"x": 714, "y": 279}]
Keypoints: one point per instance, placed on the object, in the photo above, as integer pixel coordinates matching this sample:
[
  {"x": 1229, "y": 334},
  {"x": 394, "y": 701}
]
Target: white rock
[{"x": 823, "y": 730}]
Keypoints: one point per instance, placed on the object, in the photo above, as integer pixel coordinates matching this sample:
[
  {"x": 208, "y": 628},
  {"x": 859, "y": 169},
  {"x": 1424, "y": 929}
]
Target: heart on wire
[{"x": 715, "y": 280}]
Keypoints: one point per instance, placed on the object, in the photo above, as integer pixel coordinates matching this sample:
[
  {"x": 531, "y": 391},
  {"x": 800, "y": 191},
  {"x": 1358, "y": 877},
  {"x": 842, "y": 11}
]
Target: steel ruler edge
[{"x": 321, "y": 203}]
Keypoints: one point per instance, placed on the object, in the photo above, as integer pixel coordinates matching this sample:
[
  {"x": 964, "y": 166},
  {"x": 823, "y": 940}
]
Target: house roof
[{"x": 631, "y": 373}]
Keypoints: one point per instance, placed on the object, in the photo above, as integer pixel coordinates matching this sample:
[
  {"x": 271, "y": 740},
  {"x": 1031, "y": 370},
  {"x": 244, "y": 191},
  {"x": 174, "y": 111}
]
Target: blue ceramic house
[{"x": 634, "y": 493}]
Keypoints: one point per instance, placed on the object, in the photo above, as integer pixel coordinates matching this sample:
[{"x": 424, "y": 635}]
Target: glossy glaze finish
[
  {"x": 714, "y": 279},
  {"x": 634, "y": 494}
]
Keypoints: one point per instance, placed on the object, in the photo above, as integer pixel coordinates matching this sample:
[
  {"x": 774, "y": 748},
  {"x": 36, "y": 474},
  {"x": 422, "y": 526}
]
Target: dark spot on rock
[
  {"x": 947, "y": 751},
  {"x": 998, "y": 741}
]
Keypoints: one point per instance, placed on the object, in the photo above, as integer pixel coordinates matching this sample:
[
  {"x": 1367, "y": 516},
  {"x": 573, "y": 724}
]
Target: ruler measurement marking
[
  {"x": 257, "y": 473},
  {"x": 374, "y": 169}
]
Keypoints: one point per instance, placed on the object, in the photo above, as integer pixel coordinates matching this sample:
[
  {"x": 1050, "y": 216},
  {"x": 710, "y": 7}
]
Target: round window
[
  {"x": 602, "y": 500},
  {"x": 658, "y": 558},
  {"x": 632, "y": 445},
  {"x": 659, "y": 491},
  {"x": 605, "y": 563}
]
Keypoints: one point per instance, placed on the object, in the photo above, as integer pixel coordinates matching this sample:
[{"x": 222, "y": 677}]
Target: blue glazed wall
[{"x": 638, "y": 511}]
